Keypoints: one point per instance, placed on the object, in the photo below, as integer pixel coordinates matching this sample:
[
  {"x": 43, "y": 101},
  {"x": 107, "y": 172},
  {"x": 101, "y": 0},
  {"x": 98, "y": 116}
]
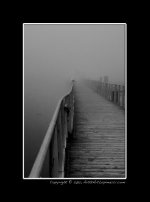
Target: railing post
[
  {"x": 109, "y": 91},
  {"x": 69, "y": 115},
  {"x": 72, "y": 111},
  {"x": 65, "y": 128},
  {"x": 115, "y": 93},
  {"x": 101, "y": 88},
  {"x": 60, "y": 144},
  {"x": 53, "y": 155},
  {"x": 63, "y": 122},
  {"x": 119, "y": 95},
  {"x": 112, "y": 93},
  {"x": 105, "y": 90},
  {"x": 64, "y": 134},
  {"x": 51, "y": 161},
  {"x": 123, "y": 96}
]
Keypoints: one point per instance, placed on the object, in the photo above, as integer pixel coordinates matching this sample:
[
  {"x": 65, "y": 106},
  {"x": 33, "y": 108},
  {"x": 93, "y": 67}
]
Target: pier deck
[{"x": 97, "y": 146}]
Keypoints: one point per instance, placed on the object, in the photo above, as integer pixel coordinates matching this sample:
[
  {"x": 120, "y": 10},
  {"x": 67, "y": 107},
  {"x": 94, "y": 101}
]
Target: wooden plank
[{"x": 97, "y": 148}]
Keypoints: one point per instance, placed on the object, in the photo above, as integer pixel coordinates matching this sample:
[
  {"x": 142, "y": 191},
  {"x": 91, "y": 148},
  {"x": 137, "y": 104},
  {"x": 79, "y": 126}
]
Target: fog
[{"x": 53, "y": 54}]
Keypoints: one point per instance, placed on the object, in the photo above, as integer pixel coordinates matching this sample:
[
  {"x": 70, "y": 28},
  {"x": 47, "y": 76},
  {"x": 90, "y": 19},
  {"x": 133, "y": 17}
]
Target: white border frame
[{"x": 125, "y": 63}]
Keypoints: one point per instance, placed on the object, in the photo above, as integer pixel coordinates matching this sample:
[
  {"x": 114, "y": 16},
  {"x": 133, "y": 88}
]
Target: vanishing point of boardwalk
[{"x": 97, "y": 147}]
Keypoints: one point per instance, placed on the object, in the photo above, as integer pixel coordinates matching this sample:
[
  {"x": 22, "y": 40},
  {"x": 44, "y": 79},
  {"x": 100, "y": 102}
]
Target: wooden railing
[
  {"x": 55, "y": 139},
  {"x": 112, "y": 92}
]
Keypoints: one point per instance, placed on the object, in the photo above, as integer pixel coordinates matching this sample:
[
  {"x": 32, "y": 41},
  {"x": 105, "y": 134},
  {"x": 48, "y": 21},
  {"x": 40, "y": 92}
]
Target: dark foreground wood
[{"x": 97, "y": 147}]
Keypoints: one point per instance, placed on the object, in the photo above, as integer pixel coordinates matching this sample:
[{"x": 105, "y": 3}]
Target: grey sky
[{"x": 63, "y": 51}]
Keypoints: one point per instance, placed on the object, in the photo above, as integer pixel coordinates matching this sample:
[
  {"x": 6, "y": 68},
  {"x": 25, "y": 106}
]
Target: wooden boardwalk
[{"x": 97, "y": 147}]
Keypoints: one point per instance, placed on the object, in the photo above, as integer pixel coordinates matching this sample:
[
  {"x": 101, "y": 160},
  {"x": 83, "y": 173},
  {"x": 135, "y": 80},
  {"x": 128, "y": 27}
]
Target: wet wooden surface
[{"x": 97, "y": 147}]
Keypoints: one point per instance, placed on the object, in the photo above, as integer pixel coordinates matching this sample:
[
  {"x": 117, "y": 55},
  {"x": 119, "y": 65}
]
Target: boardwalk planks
[{"x": 97, "y": 148}]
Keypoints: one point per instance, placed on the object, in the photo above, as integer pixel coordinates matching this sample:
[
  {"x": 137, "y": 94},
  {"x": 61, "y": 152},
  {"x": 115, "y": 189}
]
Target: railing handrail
[
  {"x": 37, "y": 166},
  {"x": 112, "y": 83}
]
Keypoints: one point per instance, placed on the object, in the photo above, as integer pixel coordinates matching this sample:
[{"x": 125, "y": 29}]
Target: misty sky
[
  {"x": 75, "y": 50},
  {"x": 53, "y": 54}
]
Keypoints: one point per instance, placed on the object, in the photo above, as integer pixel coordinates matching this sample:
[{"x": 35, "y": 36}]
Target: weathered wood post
[
  {"x": 101, "y": 92},
  {"x": 69, "y": 115},
  {"x": 72, "y": 111},
  {"x": 103, "y": 89},
  {"x": 109, "y": 91},
  {"x": 64, "y": 132},
  {"x": 100, "y": 87},
  {"x": 123, "y": 96},
  {"x": 119, "y": 89},
  {"x": 51, "y": 160},
  {"x": 72, "y": 104},
  {"x": 63, "y": 122},
  {"x": 115, "y": 93},
  {"x": 60, "y": 144},
  {"x": 54, "y": 166},
  {"x": 105, "y": 85},
  {"x": 120, "y": 93},
  {"x": 66, "y": 119},
  {"x": 112, "y": 93}
]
